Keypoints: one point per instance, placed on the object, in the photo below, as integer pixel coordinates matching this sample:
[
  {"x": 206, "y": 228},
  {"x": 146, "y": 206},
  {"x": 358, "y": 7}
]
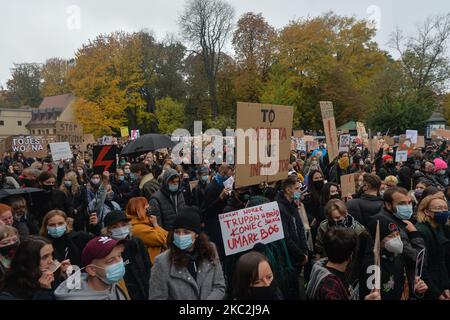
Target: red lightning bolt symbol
[{"x": 100, "y": 162}]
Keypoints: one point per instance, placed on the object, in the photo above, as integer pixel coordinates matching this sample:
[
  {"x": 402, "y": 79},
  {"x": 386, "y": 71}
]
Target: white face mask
[
  {"x": 120, "y": 233},
  {"x": 394, "y": 245}
]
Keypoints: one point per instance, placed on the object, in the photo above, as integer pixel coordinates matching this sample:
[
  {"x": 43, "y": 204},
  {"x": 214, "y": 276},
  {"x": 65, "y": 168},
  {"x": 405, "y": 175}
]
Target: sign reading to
[{"x": 242, "y": 229}]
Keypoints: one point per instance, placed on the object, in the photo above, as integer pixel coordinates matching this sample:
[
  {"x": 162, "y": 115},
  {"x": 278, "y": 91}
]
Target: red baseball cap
[{"x": 98, "y": 248}]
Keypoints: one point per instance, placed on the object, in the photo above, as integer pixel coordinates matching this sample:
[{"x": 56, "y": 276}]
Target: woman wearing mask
[
  {"x": 9, "y": 241},
  {"x": 432, "y": 217},
  {"x": 51, "y": 199},
  {"x": 32, "y": 275},
  {"x": 67, "y": 244},
  {"x": 392, "y": 265},
  {"x": 337, "y": 216},
  {"x": 145, "y": 227},
  {"x": 440, "y": 170},
  {"x": 340, "y": 167},
  {"x": 190, "y": 269},
  {"x": 253, "y": 279},
  {"x": 77, "y": 198},
  {"x": 127, "y": 171},
  {"x": 312, "y": 199},
  {"x": 82, "y": 176},
  {"x": 137, "y": 275}
]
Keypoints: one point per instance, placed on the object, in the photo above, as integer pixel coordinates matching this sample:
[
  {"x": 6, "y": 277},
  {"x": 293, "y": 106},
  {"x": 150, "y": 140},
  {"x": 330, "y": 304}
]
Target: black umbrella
[
  {"x": 4, "y": 193},
  {"x": 148, "y": 142}
]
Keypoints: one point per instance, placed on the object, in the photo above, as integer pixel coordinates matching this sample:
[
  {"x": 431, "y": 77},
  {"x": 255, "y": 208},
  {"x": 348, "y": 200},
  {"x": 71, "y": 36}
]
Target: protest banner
[
  {"x": 401, "y": 156},
  {"x": 69, "y": 132},
  {"x": 105, "y": 159},
  {"x": 259, "y": 117},
  {"x": 299, "y": 133},
  {"x": 61, "y": 151},
  {"x": 348, "y": 185},
  {"x": 329, "y": 125},
  {"x": 420, "y": 142},
  {"x": 412, "y": 135},
  {"x": 124, "y": 132},
  {"x": 30, "y": 146},
  {"x": 443, "y": 133},
  {"x": 242, "y": 229},
  {"x": 344, "y": 143}
]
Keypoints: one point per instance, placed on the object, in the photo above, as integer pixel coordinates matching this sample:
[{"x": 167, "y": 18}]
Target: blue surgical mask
[
  {"x": 183, "y": 242},
  {"x": 127, "y": 171},
  {"x": 173, "y": 188},
  {"x": 57, "y": 232},
  {"x": 442, "y": 217},
  {"x": 296, "y": 196},
  {"x": 132, "y": 177},
  {"x": 68, "y": 184},
  {"x": 205, "y": 178},
  {"x": 120, "y": 233},
  {"x": 404, "y": 212},
  {"x": 122, "y": 178},
  {"x": 114, "y": 272}
]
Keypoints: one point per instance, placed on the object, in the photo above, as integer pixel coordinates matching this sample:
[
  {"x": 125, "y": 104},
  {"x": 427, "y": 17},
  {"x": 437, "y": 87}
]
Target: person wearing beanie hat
[
  {"x": 190, "y": 269},
  {"x": 385, "y": 165},
  {"x": 199, "y": 192},
  {"x": 137, "y": 272},
  {"x": 103, "y": 276},
  {"x": 440, "y": 169},
  {"x": 392, "y": 264}
]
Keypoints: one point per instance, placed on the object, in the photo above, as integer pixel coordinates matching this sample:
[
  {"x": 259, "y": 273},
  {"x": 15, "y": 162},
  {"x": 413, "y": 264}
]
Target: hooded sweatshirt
[{"x": 86, "y": 293}]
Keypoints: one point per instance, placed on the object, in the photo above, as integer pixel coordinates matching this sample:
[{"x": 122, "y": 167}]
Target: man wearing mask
[
  {"x": 121, "y": 188},
  {"x": 29, "y": 177},
  {"x": 370, "y": 203},
  {"x": 215, "y": 200},
  {"x": 103, "y": 276},
  {"x": 166, "y": 203},
  {"x": 148, "y": 185},
  {"x": 292, "y": 224},
  {"x": 398, "y": 210},
  {"x": 198, "y": 193}
]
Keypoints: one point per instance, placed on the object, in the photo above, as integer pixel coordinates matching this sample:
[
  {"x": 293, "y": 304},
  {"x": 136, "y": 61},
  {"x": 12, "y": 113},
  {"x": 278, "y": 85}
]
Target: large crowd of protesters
[{"x": 144, "y": 233}]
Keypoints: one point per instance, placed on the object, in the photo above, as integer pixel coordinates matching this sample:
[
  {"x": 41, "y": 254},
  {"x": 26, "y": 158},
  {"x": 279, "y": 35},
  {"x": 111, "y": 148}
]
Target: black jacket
[
  {"x": 198, "y": 194},
  {"x": 137, "y": 274},
  {"x": 122, "y": 192},
  {"x": 294, "y": 232},
  {"x": 70, "y": 246},
  {"x": 47, "y": 201},
  {"x": 364, "y": 207}
]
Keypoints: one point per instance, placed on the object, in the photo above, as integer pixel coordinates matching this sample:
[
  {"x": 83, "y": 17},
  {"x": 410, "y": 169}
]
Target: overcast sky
[{"x": 32, "y": 31}]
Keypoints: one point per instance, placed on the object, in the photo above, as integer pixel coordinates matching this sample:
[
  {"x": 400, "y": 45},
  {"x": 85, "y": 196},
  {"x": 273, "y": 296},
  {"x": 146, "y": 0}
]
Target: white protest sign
[
  {"x": 242, "y": 229},
  {"x": 401, "y": 156},
  {"x": 301, "y": 144},
  {"x": 344, "y": 143},
  {"x": 61, "y": 151},
  {"x": 412, "y": 135},
  {"x": 228, "y": 184}
]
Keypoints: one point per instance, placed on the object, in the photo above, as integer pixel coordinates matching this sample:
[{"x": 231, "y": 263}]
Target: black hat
[
  {"x": 386, "y": 228},
  {"x": 189, "y": 218},
  {"x": 114, "y": 217}
]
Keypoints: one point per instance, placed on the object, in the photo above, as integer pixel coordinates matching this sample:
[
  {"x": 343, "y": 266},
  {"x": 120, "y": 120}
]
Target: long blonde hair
[
  {"x": 43, "y": 232},
  {"x": 424, "y": 204},
  {"x": 75, "y": 185}
]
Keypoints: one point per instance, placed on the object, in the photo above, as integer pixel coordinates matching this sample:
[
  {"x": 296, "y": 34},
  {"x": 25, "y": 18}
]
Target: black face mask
[
  {"x": 48, "y": 188},
  {"x": 9, "y": 250},
  {"x": 263, "y": 293},
  {"x": 335, "y": 196},
  {"x": 318, "y": 184}
]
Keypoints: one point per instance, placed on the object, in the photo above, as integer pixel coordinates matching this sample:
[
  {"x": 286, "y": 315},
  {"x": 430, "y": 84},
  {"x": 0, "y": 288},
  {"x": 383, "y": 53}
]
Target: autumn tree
[
  {"x": 206, "y": 25},
  {"x": 54, "y": 77},
  {"x": 170, "y": 115},
  {"x": 253, "y": 43},
  {"x": 24, "y": 87}
]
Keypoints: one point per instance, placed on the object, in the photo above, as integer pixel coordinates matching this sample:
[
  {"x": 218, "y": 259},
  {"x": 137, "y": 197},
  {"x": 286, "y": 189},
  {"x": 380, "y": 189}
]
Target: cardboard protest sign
[
  {"x": 443, "y": 133},
  {"x": 124, "y": 132},
  {"x": 242, "y": 229},
  {"x": 348, "y": 185},
  {"x": 30, "y": 146},
  {"x": 262, "y": 118},
  {"x": 299, "y": 133},
  {"x": 104, "y": 159},
  {"x": 362, "y": 134},
  {"x": 312, "y": 145},
  {"x": 401, "y": 156},
  {"x": 376, "y": 257},
  {"x": 389, "y": 140},
  {"x": 61, "y": 151},
  {"x": 329, "y": 124},
  {"x": 420, "y": 142},
  {"x": 193, "y": 184},
  {"x": 69, "y": 132},
  {"x": 301, "y": 145},
  {"x": 344, "y": 143},
  {"x": 412, "y": 135}
]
